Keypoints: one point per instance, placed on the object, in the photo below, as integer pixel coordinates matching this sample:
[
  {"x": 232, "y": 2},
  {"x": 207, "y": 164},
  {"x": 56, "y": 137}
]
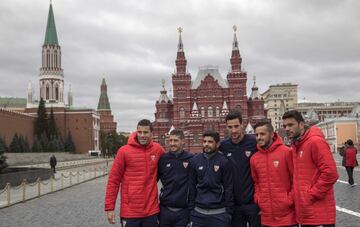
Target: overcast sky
[{"x": 315, "y": 44}]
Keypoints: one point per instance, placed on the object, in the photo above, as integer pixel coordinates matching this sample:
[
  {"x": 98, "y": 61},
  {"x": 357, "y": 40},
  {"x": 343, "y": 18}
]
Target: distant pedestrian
[
  {"x": 53, "y": 163},
  {"x": 315, "y": 173},
  {"x": 134, "y": 172},
  {"x": 349, "y": 160}
]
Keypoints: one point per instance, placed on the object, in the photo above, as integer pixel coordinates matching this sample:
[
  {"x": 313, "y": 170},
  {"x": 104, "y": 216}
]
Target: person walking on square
[
  {"x": 211, "y": 186},
  {"x": 174, "y": 176},
  {"x": 53, "y": 163},
  {"x": 272, "y": 170},
  {"x": 134, "y": 171},
  {"x": 349, "y": 160},
  {"x": 239, "y": 148},
  {"x": 315, "y": 173}
]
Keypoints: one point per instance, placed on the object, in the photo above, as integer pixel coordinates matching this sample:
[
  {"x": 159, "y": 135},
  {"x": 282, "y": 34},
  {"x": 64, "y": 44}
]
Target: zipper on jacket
[{"x": 269, "y": 188}]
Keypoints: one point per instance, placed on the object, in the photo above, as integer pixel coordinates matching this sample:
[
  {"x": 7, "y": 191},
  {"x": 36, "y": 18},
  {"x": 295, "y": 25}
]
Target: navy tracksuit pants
[
  {"x": 170, "y": 218},
  {"x": 151, "y": 221},
  {"x": 209, "y": 220}
]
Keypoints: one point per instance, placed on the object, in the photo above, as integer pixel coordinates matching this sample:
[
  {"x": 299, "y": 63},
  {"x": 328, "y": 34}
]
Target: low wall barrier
[{"x": 11, "y": 195}]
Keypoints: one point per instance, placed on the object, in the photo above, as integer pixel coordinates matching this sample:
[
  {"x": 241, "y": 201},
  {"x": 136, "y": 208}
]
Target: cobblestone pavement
[{"x": 82, "y": 205}]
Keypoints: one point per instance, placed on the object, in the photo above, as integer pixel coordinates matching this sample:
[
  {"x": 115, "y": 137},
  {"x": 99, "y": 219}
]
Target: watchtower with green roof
[{"x": 51, "y": 73}]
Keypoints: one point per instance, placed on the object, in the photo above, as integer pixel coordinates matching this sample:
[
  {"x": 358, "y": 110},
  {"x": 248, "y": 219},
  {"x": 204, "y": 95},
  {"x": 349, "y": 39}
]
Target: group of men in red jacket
[{"x": 272, "y": 184}]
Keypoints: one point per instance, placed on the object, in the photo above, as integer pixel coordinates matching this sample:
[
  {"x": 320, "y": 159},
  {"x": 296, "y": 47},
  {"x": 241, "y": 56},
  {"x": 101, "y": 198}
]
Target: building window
[
  {"x": 56, "y": 92},
  {"x": 217, "y": 111},
  {"x": 56, "y": 58},
  {"x": 196, "y": 138},
  {"x": 47, "y": 92},
  {"x": 182, "y": 112},
  {"x": 47, "y": 58},
  {"x": 203, "y": 111},
  {"x": 210, "y": 111}
]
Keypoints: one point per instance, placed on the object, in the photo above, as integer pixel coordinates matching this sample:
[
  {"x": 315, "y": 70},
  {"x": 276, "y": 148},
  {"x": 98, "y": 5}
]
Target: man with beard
[
  {"x": 238, "y": 148},
  {"x": 211, "y": 186},
  {"x": 271, "y": 170},
  {"x": 135, "y": 168},
  {"x": 174, "y": 176},
  {"x": 314, "y": 173}
]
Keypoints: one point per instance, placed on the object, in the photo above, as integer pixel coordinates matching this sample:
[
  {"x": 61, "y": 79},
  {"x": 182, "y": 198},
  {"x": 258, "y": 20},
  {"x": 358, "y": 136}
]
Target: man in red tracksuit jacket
[
  {"x": 135, "y": 169},
  {"x": 272, "y": 170},
  {"x": 315, "y": 173}
]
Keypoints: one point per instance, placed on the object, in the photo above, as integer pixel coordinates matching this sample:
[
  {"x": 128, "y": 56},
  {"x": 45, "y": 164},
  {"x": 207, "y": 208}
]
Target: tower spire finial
[
  {"x": 235, "y": 42},
  {"x": 180, "y": 45},
  {"x": 234, "y": 28},
  {"x": 163, "y": 84}
]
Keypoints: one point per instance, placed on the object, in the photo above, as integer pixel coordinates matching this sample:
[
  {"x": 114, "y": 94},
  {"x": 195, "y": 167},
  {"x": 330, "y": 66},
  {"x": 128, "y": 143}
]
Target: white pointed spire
[
  {"x": 235, "y": 41},
  {"x": 224, "y": 107},
  {"x": 195, "y": 111},
  {"x": 163, "y": 94},
  {"x": 195, "y": 107},
  {"x": 254, "y": 91},
  {"x": 171, "y": 128},
  {"x": 30, "y": 93},
  {"x": 249, "y": 129},
  {"x": 70, "y": 96}
]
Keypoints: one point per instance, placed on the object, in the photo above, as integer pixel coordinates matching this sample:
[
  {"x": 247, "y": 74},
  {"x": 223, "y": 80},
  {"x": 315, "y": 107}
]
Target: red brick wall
[{"x": 13, "y": 122}]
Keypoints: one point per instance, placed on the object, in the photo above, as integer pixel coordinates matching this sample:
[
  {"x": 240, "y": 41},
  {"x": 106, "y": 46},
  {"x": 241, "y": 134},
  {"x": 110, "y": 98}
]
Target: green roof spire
[
  {"x": 51, "y": 36},
  {"x": 103, "y": 100}
]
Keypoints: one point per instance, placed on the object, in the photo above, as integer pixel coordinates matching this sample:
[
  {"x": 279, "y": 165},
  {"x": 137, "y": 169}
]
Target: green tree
[
  {"x": 3, "y": 158},
  {"x": 36, "y": 147},
  {"x": 52, "y": 131},
  {"x": 69, "y": 144},
  {"x": 44, "y": 142},
  {"x": 111, "y": 142},
  {"x": 2, "y": 141},
  {"x": 41, "y": 123},
  {"x": 15, "y": 145}
]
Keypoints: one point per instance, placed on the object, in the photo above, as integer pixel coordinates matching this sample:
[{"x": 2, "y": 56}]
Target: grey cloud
[{"x": 315, "y": 44}]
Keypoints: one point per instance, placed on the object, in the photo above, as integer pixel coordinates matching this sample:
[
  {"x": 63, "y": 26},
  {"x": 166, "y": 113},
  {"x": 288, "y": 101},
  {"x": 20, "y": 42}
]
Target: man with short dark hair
[
  {"x": 135, "y": 169},
  {"x": 174, "y": 176},
  {"x": 238, "y": 148},
  {"x": 271, "y": 170},
  {"x": 211, "y": 186},
  {"x": 315, "y": 173}
]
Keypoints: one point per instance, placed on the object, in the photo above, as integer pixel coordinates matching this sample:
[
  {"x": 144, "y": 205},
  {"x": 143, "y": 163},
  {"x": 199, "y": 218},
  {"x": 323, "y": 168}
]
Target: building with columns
[
  {"x": 278, "y": 99},
  {"x": 202, "y": 104}
]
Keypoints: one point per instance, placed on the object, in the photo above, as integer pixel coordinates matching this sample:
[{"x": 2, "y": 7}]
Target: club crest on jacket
[
  {"x": 229, "y": 154},
  {"x": 301, "y": 153},
  {"x": 168, "y": 165},
  {"x": 185, "y": 164},
  {"x": 201, "y": 168},
  {"x": 276, "y": 163},
  {"x": 216, "y": 168},
  {"x": 152, "y": 157},
  {"x": 247, "y": 153}
]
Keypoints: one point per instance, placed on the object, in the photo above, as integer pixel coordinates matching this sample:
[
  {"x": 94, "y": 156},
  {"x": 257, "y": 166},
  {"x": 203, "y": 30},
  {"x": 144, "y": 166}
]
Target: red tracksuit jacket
[
  {"x": 272, "y": 170},
  {"x": 315, "y": 174},
  {"x": 135, "y": 168}
]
